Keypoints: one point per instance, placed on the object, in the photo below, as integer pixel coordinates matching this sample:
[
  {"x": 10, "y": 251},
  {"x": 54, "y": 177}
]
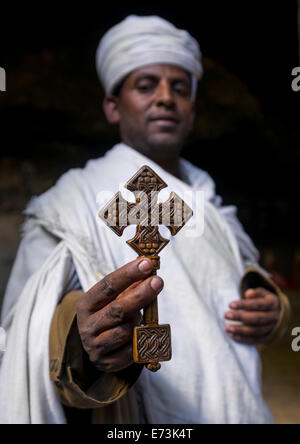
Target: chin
[{"x": 167, "y": 141}]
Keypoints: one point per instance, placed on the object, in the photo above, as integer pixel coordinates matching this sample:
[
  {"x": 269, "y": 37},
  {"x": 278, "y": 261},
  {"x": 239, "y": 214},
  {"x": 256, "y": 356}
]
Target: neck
[
  {"x": 169, "y": 164},
  {"x": 167, "y": 161}
]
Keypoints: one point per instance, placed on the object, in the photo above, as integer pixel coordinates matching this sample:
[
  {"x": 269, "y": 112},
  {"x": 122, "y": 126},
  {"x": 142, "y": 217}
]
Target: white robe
[{"x": 210, "y": 379}]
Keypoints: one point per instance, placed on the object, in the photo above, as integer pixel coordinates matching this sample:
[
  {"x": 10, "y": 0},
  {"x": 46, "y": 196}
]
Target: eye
[
  {"x": 181, "y": 88},
  {"x": 145, "y": 86}
]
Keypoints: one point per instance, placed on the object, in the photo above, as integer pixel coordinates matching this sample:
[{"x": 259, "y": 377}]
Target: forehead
[{"x": 160, "y": 71}]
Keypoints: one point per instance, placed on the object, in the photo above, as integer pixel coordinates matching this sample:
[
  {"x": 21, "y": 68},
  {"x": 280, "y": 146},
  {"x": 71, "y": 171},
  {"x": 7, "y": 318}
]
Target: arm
[
  {"x": 264, "y": 310},
  {"x": 77, "y": 381},
  {"x": 36, "y": 245},
  {"x": 91, "y": 338}
]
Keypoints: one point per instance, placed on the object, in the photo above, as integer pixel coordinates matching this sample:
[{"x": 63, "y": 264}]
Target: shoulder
[
  {"x": 71, "y": 205},
  {"x": 71, "y": 189}
]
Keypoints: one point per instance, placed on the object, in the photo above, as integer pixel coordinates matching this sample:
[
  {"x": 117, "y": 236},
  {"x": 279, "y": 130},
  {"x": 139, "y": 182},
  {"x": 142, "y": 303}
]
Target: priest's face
[{"x": 153, "y": 109}]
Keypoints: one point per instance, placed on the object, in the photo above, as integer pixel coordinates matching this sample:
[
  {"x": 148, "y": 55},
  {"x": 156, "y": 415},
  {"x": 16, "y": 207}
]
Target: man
[{"x": 74, "y": 283}]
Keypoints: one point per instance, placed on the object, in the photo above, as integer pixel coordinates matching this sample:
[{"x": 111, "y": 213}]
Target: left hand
[{"x": 259, "y": 312}]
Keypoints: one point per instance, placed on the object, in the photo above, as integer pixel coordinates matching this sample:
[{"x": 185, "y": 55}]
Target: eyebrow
[{"x": 156, "y": 77}]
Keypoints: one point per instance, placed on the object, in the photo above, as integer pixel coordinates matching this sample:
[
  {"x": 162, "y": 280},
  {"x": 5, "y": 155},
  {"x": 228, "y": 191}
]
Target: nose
[{"x": 164, "y": 94}]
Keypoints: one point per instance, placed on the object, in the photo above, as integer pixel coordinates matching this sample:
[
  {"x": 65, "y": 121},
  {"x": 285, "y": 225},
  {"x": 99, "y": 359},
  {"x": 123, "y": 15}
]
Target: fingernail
[
  {"x": 229, "y": 315},
  {"x": 233, "y": 305},
  {"x": 230, "y": 328},
  {"x": 156, "y": 283},
  {"x": 145, "y": 266}
]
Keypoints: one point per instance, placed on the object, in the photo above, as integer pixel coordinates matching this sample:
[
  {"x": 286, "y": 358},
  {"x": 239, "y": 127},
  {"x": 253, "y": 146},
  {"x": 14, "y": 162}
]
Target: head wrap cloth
[{"x": 138, "y": 41}]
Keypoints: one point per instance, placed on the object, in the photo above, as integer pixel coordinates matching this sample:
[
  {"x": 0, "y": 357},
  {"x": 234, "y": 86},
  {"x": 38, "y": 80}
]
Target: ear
[{"x": 110, "y": 108}]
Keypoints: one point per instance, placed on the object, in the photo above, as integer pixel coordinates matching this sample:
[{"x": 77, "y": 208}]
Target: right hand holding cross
[{"x": 109, "y": 311}]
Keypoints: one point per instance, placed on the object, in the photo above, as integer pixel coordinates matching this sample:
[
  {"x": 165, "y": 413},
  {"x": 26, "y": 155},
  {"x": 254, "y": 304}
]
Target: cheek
[{"x": 134, "y": 111}]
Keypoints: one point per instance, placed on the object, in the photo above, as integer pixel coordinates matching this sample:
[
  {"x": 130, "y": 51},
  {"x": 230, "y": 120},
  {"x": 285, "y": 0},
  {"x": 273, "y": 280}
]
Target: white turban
[{"x": 139, "y": 41}]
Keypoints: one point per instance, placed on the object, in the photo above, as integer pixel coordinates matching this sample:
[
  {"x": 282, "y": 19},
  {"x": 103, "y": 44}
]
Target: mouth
[{"x": 164, "y": 120}]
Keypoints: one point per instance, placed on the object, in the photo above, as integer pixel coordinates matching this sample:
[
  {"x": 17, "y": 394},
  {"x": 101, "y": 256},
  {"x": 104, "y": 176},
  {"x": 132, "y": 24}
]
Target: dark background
[{"x": 246, "y": 135}]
